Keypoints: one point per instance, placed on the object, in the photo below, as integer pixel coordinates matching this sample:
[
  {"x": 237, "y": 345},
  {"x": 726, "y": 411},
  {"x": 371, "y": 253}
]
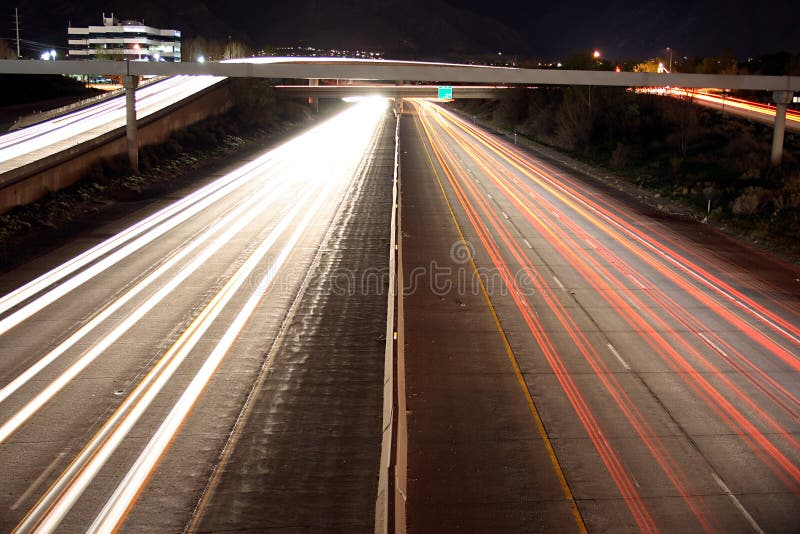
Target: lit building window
[{"x": 124, "y": 39}]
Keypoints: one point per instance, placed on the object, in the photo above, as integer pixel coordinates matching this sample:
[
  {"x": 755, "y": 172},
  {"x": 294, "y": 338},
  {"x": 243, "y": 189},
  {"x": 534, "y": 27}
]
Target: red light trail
[{"x": 629, "y": 267}]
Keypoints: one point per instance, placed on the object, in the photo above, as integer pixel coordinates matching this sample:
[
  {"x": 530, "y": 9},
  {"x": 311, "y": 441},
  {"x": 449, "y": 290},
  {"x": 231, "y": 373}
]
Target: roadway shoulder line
[{"x": 511, "y": 357}]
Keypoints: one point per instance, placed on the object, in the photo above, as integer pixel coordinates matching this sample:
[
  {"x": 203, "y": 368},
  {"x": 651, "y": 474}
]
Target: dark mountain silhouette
[{"x": 410, "y": 28}]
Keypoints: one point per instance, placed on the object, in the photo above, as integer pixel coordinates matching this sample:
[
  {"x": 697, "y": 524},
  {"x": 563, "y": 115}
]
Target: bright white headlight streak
[
  {"x": 197, "y": 202},
  {"x": 62, "y": 495},
  {"x": 110, "y": 117},
  {"x": 59, "y": 499},
  {"x": 116, "y": 507},
  {"x": 35, "y": 404},
  {"x": 232, "y": 223},
  {"x": 143, "y": 94},
  {"x": 149, "y": 229}
]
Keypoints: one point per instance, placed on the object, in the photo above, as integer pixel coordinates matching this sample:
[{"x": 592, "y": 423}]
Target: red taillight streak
[
  {"x": 741, "y": 301},
  {"x": 653, "y": 443},
  {"x": 712, "y": 397},
  {"x": 781, "y": 326},
  {"x": 680, "y": 314},
  {"x": 609, "y": 458},
  {"x": 663, "y": 347},
  {"x": 772, "y": 388}
]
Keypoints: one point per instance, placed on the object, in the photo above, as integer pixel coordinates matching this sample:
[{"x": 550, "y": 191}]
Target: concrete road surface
[
  {"x": 133, "y": 357},
  {"x": 655, "y": 369}
]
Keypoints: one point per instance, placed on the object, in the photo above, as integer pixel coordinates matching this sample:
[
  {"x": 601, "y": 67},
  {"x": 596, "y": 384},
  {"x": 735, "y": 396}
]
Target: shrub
[{"x": 747, "y": 203}]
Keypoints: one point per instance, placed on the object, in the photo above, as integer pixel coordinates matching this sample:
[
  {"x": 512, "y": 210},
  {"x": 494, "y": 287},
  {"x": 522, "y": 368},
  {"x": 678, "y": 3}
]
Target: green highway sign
[{"x": 445, "y": 92}]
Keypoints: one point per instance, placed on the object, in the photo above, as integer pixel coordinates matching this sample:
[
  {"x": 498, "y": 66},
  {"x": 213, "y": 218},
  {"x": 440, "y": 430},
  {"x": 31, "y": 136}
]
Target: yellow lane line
[{"x": 509, "y": 352}]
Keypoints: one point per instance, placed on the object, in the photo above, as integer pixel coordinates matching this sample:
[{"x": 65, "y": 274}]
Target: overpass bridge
[{"x": 314, "y": 69}]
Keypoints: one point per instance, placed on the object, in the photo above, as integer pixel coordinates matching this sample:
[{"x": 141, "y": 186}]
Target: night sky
[
  {"x": 646, "y": 27},
  {"x": 552, "y": 30}
]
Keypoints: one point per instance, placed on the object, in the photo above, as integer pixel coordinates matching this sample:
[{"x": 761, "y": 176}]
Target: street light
[
  {"x": 596, "y": 54},
  {"x": 201, "y": 59}
]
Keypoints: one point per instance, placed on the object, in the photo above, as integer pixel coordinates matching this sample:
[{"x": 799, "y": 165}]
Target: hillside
[{"x": 411, "y": 28}]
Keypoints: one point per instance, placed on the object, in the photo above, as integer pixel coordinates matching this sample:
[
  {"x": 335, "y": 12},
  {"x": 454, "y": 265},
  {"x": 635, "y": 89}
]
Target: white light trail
[
  {"x": 62, "y": 495},
  {"x": 109, "y": 115},
  {"x": 126, "y": 492},
  {"x": 191, "y": 205},
  {"x": 232, "y": 223},
  {"x": 340, "y": 145}
]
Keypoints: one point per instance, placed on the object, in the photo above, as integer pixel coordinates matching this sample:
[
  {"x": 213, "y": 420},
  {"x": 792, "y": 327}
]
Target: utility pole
[{"x": 16, "y": 19}]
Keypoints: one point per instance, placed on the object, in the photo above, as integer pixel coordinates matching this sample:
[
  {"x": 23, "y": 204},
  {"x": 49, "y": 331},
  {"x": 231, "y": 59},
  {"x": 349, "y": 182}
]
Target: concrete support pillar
[
  {"x": 130, "y": 83},
  {"x": 313, "y": 100},
  {"x": 398, "y": 105},
  {"x": 781, "y": 99}
]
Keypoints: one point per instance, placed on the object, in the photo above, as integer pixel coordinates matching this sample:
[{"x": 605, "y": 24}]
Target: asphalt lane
[
  {"x": 305, "y": 453},
  {"x": 126, "y": 366},
  {"x": 476, "y": 459},
  {"x": 666, "y": 377}
]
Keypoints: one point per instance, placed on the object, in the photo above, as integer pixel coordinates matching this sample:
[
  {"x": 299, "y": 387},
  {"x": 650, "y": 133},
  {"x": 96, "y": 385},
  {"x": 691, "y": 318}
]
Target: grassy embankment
[
  {"x": 257, "y": 118},
  {"x": 673, "y": 149}
]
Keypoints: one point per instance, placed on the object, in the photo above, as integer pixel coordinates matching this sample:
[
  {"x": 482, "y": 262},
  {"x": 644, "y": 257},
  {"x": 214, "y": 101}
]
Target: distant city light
[
  {"x": 596, "y": 54},
  {"x": 618, "y": 69}
]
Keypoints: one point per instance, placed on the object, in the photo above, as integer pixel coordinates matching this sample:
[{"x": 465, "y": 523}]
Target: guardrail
[{"x": 389, "y": 515}]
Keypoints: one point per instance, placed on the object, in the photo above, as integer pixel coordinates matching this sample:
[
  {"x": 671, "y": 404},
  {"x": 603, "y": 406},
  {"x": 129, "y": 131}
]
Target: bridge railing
[{"x": 314, "y": 68}]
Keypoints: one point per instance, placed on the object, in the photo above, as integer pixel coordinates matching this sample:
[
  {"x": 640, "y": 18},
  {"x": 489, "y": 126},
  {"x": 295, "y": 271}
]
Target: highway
[
  {"x": 736, "y": 106},
  {"x": 132, "y": 356},
  {"x": 47, "y": 138},
  {"x": 630, "y": 377}
]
